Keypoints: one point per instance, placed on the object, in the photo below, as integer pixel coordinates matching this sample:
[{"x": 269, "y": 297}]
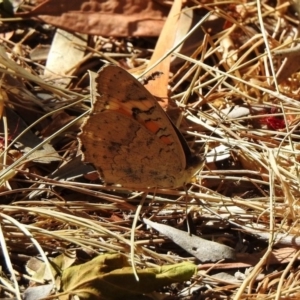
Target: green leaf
[{"x": 109, "y": 277}]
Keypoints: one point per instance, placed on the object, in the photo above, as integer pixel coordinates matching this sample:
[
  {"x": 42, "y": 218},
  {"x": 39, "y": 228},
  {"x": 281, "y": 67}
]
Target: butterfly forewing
[{"x": 119, "y": 91}]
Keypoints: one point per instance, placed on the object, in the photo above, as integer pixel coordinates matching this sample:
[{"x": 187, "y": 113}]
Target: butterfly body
[{"x": 129, "y": 138}]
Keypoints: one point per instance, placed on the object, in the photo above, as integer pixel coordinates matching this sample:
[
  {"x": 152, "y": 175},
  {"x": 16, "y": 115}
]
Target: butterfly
[{"x": 129, "y": 138}]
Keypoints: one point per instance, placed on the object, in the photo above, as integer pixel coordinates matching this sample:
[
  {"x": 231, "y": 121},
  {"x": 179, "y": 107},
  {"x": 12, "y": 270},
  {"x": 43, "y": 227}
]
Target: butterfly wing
[{"x": 128, "y": 137}]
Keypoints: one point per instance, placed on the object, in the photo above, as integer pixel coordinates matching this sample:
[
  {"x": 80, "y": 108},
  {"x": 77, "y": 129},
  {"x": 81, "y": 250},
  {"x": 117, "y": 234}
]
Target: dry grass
[{"x": 248, "y": 201}]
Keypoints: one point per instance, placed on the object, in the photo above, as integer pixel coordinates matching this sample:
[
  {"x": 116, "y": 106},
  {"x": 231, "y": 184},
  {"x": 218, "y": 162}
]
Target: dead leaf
[
  {"x": 109, "y": 277},
  {"x": 217, "y": 154},
  {"x": 37, "y": 268},
  {"x": 66, "y": 51},
  {"x": 226, "y": 278},
  {"x": 244, "y": 260},
  {"x": 37, "y": 292},
  {"x": 40, "y": 53},
  {"x": 200, "y": 248},
  {"x": 159, "y": 87},
  {"x": 106, "y": 18}
]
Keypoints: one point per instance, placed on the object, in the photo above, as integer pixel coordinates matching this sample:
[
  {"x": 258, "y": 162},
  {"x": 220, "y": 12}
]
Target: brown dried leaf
[
  {"x": 107, "y": 18},
  {"x": 159, "y": 87}
]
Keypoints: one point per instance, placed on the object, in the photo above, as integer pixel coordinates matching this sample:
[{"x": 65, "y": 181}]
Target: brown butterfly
[{"x": 129, "y": 138}]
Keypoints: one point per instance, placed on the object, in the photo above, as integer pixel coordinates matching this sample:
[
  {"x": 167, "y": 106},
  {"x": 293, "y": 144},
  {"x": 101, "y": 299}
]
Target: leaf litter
[{"x": 232, "y": 91}]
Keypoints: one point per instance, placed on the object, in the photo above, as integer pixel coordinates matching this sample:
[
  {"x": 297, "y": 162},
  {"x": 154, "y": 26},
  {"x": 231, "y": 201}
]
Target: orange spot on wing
[
  {"x": 152, "y": 126},
  {"x": 166, "y": 140}
]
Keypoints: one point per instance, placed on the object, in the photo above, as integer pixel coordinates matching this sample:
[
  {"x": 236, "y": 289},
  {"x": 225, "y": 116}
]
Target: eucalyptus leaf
[{"x": 109, "y": 277}]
